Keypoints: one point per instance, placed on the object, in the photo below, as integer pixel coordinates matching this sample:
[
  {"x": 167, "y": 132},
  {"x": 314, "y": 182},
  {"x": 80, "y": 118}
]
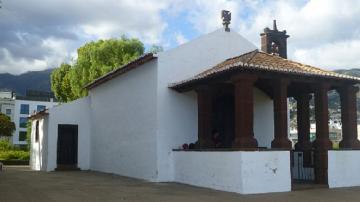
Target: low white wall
[
  {"x": 38, "y": 149},
  {"x": 236, "y": 171},
  {"x": 344, "y": 168},
  {"x": 77, "y": 113}
]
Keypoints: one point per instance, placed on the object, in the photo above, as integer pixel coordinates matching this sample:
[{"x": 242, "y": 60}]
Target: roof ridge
[
  {"x": 121, "y": 69},
  {"x": 298, "y": 63},
  {"x": 242, "y": 55}
]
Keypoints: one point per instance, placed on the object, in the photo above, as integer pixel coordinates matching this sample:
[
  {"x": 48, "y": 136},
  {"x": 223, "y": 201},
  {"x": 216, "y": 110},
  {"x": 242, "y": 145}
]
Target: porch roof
[{"x": 260, "y": 61}]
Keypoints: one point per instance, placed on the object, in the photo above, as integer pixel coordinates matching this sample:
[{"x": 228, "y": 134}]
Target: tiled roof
[
  {"x": 121, "y": 70},
  {"x": 39, "y": 114},
  {"x": 257, "y": 60}
]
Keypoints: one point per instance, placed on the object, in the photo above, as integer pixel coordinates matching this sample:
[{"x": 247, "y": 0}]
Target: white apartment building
[
  {"x": 7, "y": 103},
  {"x": 23, "y": 108},
  {"x": 18, "y": 108}
]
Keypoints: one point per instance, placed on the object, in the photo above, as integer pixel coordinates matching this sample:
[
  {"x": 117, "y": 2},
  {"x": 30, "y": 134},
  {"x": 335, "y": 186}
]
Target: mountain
[{"x": 35, "y": 80}]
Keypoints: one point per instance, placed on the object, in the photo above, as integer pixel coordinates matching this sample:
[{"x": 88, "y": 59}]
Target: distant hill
[
  {"x": 351, "y": 72},
  {"x": 36, "y": 80}
]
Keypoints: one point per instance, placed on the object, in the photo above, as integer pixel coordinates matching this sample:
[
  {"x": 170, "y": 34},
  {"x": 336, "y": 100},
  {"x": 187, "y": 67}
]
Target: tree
[
  {"x": 6, "y": 126},
  {"x": 60, "y": 83},
  {"x": 94, "y": 60},
  {"x": 156, "y": 49}
]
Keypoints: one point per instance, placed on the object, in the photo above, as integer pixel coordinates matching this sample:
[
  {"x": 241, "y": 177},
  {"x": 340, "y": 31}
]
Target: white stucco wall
[
  {"x": 76, "y": 113},
  {"x": 124, "y": 124},
  {"x": 177, "y": 112},
  {"x": 344, "y": 168},
  {"x": 263, "y": 118},
  {"x": 38, "y": 149},
  {"x": 237, "y": 171}
]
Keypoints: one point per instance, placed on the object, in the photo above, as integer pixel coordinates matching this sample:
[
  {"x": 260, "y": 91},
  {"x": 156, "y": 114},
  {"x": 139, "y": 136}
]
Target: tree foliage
[
  {"x": 94, "y": 60},
  {"x": 6, "y": 126}
]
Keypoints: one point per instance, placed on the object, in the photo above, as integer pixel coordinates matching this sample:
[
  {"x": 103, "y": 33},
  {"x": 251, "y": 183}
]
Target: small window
[
  {"x": 37, "y": 131},
  {"x": 23, "y": 122},
  {"x": 40, "y": 107},
  {"x": 24, "y": 109},
  {"x": 8, "y": 112},
  {"x": 22, "y": 136}
]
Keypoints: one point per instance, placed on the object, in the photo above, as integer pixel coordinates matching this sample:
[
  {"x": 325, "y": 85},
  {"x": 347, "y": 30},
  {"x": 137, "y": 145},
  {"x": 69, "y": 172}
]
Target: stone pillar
[
  {"x": 303, "y": 122},
  {"x": 281, "y": 140},
  {"x": 244, "y": 111},
  {"x": 349, "y": 117},
  {"x": 205, "y": 116},
  {"x": 322, "y": 143}
]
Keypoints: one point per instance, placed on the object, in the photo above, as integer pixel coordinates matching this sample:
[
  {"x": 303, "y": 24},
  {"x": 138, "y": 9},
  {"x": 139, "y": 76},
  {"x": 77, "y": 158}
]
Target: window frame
[
  {"x": 42, "y": 106},
  {"x": 20, "y": 123},
  {"x": 22, "y": 132},
  {"x": 24, "y": 111}
]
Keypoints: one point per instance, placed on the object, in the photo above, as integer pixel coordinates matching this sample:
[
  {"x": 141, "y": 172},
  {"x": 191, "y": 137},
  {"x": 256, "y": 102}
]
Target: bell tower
[{"x": 274, "y": 41}]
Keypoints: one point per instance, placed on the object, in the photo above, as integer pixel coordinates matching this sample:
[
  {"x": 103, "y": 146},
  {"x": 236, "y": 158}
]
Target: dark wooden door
[{"x": 67, "y": 145}]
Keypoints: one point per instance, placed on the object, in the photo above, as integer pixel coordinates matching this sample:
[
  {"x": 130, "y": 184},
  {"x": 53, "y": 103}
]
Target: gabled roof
[
  {"x": 257, "y": 60},
  {"x": 121, "y": 70}
]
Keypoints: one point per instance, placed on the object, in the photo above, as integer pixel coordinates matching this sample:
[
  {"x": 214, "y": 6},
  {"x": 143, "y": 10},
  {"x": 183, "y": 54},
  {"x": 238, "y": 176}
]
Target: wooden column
[
  {"x": 303, "y": 122},
  {"x": 349, "y": 117},
  {"x": 244, "y": 111},
  {"x": 322, "y": 143},
  {"x": 205, "y": 116},
  {"x": 281, "y": 139}
]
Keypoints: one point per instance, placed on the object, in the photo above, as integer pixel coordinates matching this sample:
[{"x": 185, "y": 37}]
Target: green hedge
[
  {"x": 11, "y": 152},
  {"x": 14, "y": 155}
]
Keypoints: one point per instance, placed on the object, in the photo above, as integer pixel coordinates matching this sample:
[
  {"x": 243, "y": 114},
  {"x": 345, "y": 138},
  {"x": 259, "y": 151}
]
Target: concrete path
[{"x": 19, "y": 184}]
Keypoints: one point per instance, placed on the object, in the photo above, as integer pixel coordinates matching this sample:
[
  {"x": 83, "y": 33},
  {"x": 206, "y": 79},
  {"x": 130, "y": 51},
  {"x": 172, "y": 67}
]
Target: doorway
[{"x": 67, "y": 147}]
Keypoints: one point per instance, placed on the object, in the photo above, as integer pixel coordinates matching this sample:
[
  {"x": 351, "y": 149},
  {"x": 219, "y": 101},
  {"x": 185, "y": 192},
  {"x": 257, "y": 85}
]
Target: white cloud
[
  {"x": 338, "y": 55},
  {"x": 318, "y": 29},
  {"x": 180, "y": 38},
  {"x": 41, "y": 34},
  {"x": 48, "y": 32},
  {"x": 10, "y": 65}
]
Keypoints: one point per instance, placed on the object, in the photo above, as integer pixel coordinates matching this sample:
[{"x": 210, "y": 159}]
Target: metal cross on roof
[{"x": 226, "y": 18}]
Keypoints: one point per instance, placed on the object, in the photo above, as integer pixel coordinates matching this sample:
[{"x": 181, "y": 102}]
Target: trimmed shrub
[{"x": 14, "y": 155}]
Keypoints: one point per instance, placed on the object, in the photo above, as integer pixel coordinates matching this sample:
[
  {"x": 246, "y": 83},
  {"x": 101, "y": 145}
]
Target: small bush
[
  {"x": 5, "y": 145},
  {"x": 14, "y": 155}
]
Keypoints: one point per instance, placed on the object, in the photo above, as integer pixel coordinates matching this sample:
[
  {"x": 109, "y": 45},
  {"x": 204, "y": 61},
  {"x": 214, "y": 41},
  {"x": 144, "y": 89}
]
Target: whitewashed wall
[
  {"x": 38, "y": 150},
  {"x": 124, "y": 124},
  {"x": 177, "y": 112},
  {"x": 344, "y": 168},
  {"x": 238, "y": 171},
  {"x": 263, "y": 118},
  {"x": 77, "y": 113}
]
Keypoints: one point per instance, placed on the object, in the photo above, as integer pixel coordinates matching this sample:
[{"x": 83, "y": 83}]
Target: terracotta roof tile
[{"x": 257, "y": 60}]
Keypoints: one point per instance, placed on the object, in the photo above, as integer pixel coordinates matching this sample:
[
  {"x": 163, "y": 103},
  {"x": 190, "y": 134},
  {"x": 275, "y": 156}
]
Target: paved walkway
[{"x": 21, "y": 184}]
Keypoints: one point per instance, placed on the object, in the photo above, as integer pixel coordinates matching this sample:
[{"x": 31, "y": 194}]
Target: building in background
[
  {"x": 18, "y": 108},
  {"x": 33, "y": 101},
  {"x": 7, "y": 103}
]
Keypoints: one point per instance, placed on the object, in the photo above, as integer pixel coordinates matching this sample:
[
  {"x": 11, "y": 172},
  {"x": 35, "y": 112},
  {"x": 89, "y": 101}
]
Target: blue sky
[{"x": 39, "y": 34}]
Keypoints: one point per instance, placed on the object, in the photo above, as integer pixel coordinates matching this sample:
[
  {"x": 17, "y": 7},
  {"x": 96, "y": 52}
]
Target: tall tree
[
  {"x": 60, "y": 83},
  {"x": 6, "y": 126},
  {"x": 94, "y": 60}
]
